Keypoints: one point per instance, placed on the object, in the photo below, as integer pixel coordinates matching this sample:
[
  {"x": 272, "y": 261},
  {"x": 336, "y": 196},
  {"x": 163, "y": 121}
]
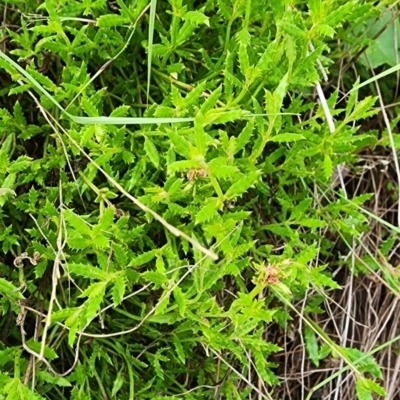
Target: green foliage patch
[{"x": 166, "y": 194}]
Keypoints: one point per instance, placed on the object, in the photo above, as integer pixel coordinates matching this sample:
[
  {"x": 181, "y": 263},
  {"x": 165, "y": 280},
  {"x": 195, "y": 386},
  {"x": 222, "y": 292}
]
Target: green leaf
[
  {"x": 244, "y": 136},
  {"x": 300, "y": 209},
  {"x": 89, "y": 108},
  {"x": 362, "y": 390},
  {"x": 341, "y": 14},
  {"x": 374, "y": 387},
  {"x": 88, "y": 133},
  {"x": 143, "y": 258},
  {"x": 88, "y": 271},
  {"x": 53, "y": 380},
  {"x": 211, "y": 100},
  {"x": 49, "y": 353},
  {"x": 110, "y": 20},
  {"x": 194, "y": 95},
  {"x": 118, "y": 291},
  {"x": 287, "y": 137},
  {"x": 196, "y": 17},
  {"x": 182, "y": 166},
  {"x": 200, "y": 135},
  {"x": 181, "y": 145},
  {"x": 208, "y": 211},
  {"x": 118, "y": 383},
  {"x": 120, "y": 255},
  {"x": 120, "y": 111},
  {"x": 292, "y": 29},
  {"x": 179, "y": 349},
  {"x": 239, "y": 187},
  {"x": 9, "y": 290},
  {"x": 78, "y": 223},
  {"x": 106, "y": 218},
  {"x": 180, "y": 300},
  {"x": 311, "y": 345},
  {"x": 154, "y": 277},
  {"x": 95, "y": 293},
  {"x": 312, "y": 223},
  {"x": 151, "y": 152},
  {"x": 328, "y": 167}
]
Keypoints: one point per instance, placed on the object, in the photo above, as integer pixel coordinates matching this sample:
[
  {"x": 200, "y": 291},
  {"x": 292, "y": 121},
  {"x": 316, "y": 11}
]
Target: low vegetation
[{"x": 199, "y": 199}]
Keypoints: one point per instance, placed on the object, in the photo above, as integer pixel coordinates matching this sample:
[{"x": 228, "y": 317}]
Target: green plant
[{"x": 166, "y": 195}]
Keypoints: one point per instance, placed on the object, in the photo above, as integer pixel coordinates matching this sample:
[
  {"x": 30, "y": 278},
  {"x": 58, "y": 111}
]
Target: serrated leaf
[
  {"x": 239, "y": 187},
  {"x": 220, "y": 169},
  {"x": 208, "y": 211},
  {"x": 96, "y": 293},
  {"x": 200, "y": 135},
  {"x": 211, "y": 100},
  {"x": 181, "y": 145},
  {"x": 154, "y": 277},
  {"x": 179, "y": 349},
  {"x": 19, "y": 115},
  {"x": 312, "y": 223},
  {"x": 87, "y": 133},
  {"x": 78, "y": 242},
  {"x": 151, "y": 152},
  {"x": 120, "y": 255},
  {"x": 106, "y": 218},
  {"x": 88, "y": 271},
  {"x": 89, "y": 108},
  {"x": 224, "y": 117},
  {"x": 162, "y": 303},
  {"x": 362, "y": 391},
  {"x": 300, "y": 209},
  {"x": 243, "y": 59},
  {"x": 118, "y": 383},
  {"x": 9, "y": 290},
  {"x": 120, "y": 111},
  {"x": 311, "y": 345},
  {"x": 47, "y": 377},
  {"x": 6, "y": 191},
  {"x": 19, "y": 89},
  {"x": 244, "y": 136},
  {"x": 328, "y": 167},
  {"x": 44, "y": 80},
  {"x": 182, "y": 166},
  {"x": 373, "y": 386},
  {"x": 322, "y": 280},
  {"x": 292, "y": 29},
  {"x": 49, "y": 353},
  {"x": 194, "y": 95},
  {"x": 367, "y": 364},
  {"x": 287, "y": 137},
  {"x": 143, "y": 258},
  {"x": 110, "y": 20},
  {"x": 196, "y": 17},
  {"x": 180, "y": 300},
  {"x": 243, "y": 249},
  {"x": 341, "y": 14},
  {"x": 118, "y": 291},
  {"x": 20, "y": 164},
  {"x": 78, "y": 223}
]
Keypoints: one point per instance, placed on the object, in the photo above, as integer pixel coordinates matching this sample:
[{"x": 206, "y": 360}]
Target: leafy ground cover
[{"x": 199, "y": 199}]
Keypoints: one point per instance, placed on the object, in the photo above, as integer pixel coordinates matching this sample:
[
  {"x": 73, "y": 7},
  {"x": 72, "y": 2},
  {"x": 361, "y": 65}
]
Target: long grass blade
[
  {"x": 91, "y": 120},
  {"x": 153, "y": 6},
  {"x": 376, "y": 77}
]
